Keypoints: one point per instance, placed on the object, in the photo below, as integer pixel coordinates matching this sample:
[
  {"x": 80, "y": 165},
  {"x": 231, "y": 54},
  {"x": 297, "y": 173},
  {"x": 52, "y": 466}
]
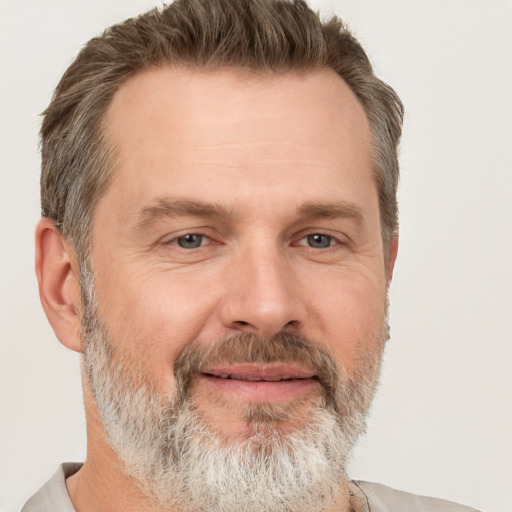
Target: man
[{"x": 218, "y": 236}]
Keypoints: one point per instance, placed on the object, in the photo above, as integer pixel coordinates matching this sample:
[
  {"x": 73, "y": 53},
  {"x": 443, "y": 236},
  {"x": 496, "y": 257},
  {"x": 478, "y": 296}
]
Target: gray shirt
[{"x": 365, "y": 497}]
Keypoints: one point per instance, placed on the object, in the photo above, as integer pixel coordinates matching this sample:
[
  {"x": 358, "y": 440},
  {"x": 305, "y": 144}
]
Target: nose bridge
[{"x": 261, "y": 296}]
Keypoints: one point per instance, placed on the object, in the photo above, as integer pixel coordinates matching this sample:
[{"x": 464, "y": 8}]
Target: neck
[
  {"x": 101, "y": 484},
  {"x": 99, "y": 488}
]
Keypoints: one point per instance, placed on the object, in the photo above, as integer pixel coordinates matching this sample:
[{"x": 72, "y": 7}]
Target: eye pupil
[
  {"x": 190, "y": 241},
  {"x": 319, "y": 241}
]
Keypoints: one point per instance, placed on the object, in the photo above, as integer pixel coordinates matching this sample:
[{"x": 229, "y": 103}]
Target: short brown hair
[{"x": 260, "y": 35}]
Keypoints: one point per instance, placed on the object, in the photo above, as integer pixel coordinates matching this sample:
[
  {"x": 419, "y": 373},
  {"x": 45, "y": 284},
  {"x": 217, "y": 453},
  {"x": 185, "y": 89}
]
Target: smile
[{"x": 260, "y": 383}]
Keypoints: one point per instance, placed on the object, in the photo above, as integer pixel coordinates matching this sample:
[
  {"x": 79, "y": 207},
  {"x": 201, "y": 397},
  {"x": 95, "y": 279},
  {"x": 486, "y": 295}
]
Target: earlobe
[
  {"x": 59, "y": 287},
  {"x": 392, "y": 254}
]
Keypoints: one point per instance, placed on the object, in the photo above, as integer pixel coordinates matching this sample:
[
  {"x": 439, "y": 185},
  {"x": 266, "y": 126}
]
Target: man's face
[{"x": 240, "y": 206}]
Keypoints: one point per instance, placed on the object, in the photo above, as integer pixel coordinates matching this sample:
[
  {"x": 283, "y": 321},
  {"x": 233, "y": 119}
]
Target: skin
[{"x": 271, "y": 161}]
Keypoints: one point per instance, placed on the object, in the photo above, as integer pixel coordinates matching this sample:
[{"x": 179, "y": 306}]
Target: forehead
[
  {"x": 195, "y": 130},
  {"x": 190, "y": 100}
]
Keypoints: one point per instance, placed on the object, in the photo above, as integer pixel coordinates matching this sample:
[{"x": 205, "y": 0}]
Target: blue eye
[
  {"x": 190, "y": 241},
  {"x": 319, "y": 241}
]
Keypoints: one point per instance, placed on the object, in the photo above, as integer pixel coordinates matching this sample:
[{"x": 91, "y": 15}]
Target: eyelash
[
  {"x": 176, "y": 240},
  {"x": 310, "y": 237},
  {"x": 332, "y": 240}
]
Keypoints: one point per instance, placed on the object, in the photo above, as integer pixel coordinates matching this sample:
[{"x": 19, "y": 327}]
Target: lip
[{"x": 260, "y": 383}]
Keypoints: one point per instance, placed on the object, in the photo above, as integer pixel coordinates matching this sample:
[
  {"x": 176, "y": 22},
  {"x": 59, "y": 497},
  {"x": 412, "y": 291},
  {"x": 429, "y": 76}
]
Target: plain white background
[{"x": 442, "y": 421}]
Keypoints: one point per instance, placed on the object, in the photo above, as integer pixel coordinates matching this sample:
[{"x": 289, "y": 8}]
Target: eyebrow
[
  {"x": 344, "y": 210},
  {"x": 166, "y": 207}
]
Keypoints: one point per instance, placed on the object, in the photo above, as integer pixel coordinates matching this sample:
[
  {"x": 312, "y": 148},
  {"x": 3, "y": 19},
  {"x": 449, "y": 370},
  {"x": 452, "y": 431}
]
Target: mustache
[{"x": 249, "y": 348}]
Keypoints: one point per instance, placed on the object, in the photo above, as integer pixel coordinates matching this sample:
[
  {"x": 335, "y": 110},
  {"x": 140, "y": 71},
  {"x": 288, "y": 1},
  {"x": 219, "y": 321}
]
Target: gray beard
[{"x": 180, "y": 462}]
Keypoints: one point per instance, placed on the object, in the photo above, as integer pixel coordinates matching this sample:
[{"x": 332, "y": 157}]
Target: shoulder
[
  {"x": 380, "y": 498},
  {"x": 53, "y": 496}
]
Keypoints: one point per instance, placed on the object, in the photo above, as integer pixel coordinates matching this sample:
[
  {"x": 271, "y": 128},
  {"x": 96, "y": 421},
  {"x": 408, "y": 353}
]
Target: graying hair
[{"x": 264, "y": 36}]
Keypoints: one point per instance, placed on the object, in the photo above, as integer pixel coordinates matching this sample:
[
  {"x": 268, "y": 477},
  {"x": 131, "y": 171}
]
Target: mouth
[{"x": 260, "y": 383}]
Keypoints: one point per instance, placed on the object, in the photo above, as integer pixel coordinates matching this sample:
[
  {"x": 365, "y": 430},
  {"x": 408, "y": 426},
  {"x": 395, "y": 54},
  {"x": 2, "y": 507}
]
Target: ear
[
  {"x": 59, "y": 287},
  {"x": 391, "y": 256}
]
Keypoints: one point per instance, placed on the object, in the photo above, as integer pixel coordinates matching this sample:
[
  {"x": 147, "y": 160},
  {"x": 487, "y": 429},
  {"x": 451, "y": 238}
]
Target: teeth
[{"x": 224, "y": 376}]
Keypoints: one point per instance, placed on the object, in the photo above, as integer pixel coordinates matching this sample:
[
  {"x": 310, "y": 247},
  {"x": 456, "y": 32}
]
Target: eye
[
  {"x": 190, "y": 241},
  {"x": 320, "y": 241}
]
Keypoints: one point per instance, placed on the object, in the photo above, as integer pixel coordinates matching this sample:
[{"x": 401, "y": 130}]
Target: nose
[{"x": 262, "y": 296}]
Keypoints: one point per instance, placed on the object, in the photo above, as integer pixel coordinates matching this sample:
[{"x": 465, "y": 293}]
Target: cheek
[
  {"x": 350, "y": 312},
  {"x": 150, "y": 319}
]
